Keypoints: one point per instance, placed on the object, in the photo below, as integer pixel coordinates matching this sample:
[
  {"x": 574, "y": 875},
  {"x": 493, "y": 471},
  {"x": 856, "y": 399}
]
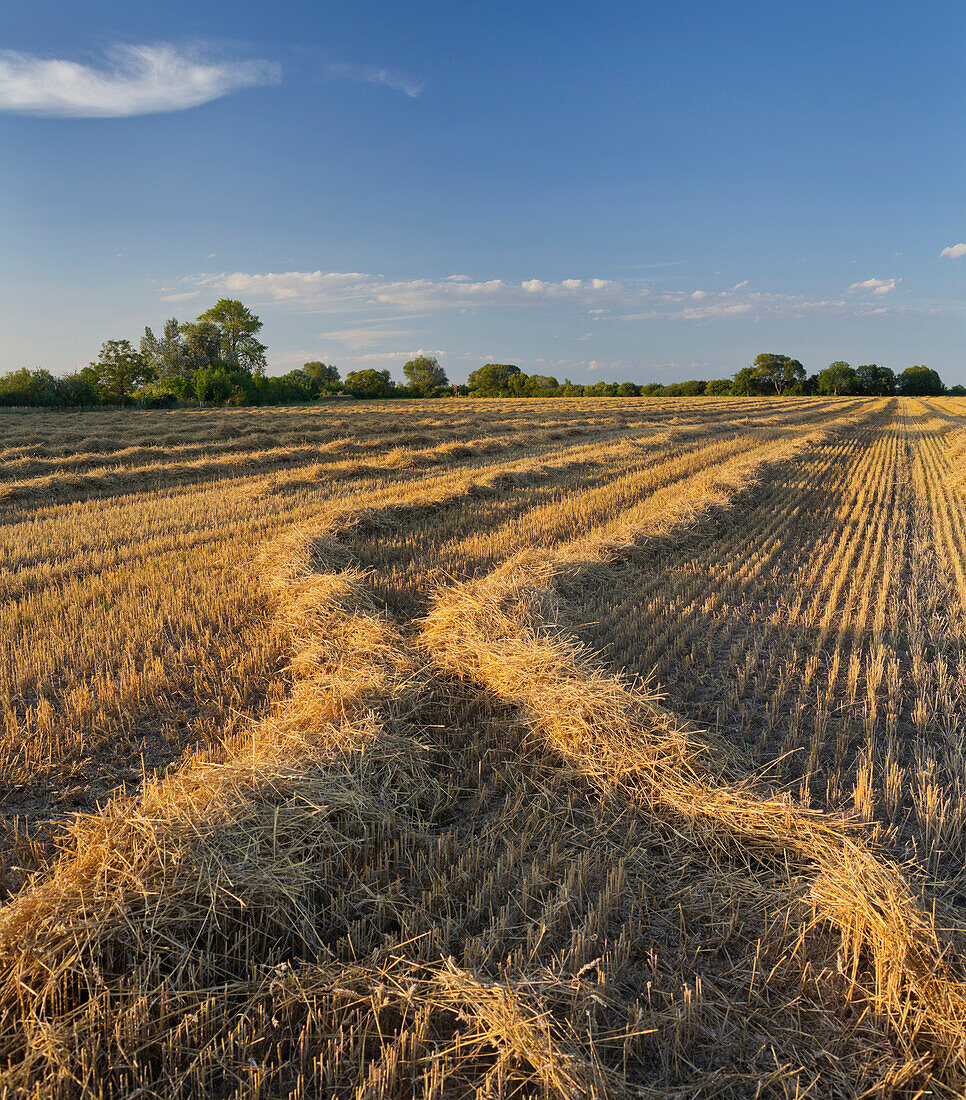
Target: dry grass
[{"x": 403, "y": 829}]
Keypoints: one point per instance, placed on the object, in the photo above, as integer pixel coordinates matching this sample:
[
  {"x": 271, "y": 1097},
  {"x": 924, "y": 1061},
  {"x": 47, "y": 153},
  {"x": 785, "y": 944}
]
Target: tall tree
[
  {"x": 369, "y": 383},
  {"x": 492, "y": 379},
  {"x": 776, "y": 373},
  {"x": 323, "y": 375},
  {"x": 746, "y": 383},
  {"x": 118, "y": 369},
  {"x": 164, "y": 355},
  {"x": 239, "y": 328},
  {"x": 838, "y": 380},
  {"x": 875, "y": 381},
  {"x": 425, "y": 374},
  {"x": 541, "y": 385},
  {"x": 920, "y": 381},
  {"x": 200, "y": 346}
]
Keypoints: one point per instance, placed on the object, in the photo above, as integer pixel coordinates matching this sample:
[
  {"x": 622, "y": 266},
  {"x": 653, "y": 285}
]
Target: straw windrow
[
  {"x": 508, "y": 632},
  {"x": 459, "y": 859}
]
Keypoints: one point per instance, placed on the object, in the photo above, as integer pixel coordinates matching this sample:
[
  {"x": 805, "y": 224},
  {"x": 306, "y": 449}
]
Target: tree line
[
  {"x": 770, "y": 374},
  {"x": 217, "y": 359}
]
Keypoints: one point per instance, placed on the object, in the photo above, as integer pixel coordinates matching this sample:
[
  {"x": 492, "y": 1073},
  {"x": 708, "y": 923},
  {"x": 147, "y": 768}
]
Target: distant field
[{"x": 575, "y": 748}]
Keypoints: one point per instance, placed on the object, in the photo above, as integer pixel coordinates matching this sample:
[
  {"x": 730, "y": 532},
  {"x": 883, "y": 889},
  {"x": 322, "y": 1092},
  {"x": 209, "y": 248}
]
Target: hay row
[
  {"x": 164, "y": 899},
  {"x": 278, "y": 918},
  {"x": 68, "y": 484},
  {"x": 411, "y": 446},
  {"x": 509, "y": 633}
]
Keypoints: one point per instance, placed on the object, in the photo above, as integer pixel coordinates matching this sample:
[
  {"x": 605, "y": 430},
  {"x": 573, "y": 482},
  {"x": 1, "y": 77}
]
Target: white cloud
[
  {"x": 954, "y": 251},
  {"x": 399, "y": 357},
  {"x": 365, "y": 336},
  {"x": 138, "y": 80},
  {"x": 324, "y": 290},
  {"x": 876, "y": 286},
  {"x": 372, "y": 307},
  {"x": 181, "y": 296},
  {"x": 374, "y": 74},
  {"x": 725, "y": 304},
  {"x": 716, "y": 309}
]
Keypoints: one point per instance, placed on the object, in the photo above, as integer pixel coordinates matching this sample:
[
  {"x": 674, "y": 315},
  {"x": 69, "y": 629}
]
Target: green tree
[
  {"x": 875, "y": 381},
  {"x": 920, "y": 381},
  {"x": 718, "y": 387},
  {"x": 694, "y": 387},
  {"x": 324, "y": 376},
  {"x": 78, "y": 390},
  {"x": 746, "y": 383},
  {"x": 425, "y": 375},
  {"x": 838, "y": 380},
  {"x": 369, "y": 383},
  {"x": 516, "y": 385},
  {"x": 542, "y": 385},
  {"x": 300, "y": 385},
  {"x": 601, "y": 389},
  {"x": 492, "y": 379},
  {"x": 27, "y": 387},
  {"x": 628, "y": 389},
  {"x": 163, "y": 354},
  {"x": 212, "y": 385},
  {"x": 118, "y": 369},
  {"x": 774, "y": 373},
  {"x": 238, "y": 328},
  {"x": 200, "y": 346}
]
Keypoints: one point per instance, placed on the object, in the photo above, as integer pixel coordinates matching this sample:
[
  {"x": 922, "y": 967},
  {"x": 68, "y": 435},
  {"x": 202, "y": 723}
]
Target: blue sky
[{"x": 643, "y": 191}]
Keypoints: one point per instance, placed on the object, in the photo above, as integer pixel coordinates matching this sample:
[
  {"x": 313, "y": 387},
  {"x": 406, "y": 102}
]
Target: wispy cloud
[
  {"x": 954, "y": 251},
  {"x": 325, "y": 290},
  {"x": 399, "y": 356},
  {"x": 374, "y": 306},
  {"x": 133, "y": 80},
  {"x": 723, "y": 305},
  {"x": 375, "y": 74},
  {"x": 364, "y": 336},
  {"x": 180, "y": 296},
  {"x": 876, "y": 286}
]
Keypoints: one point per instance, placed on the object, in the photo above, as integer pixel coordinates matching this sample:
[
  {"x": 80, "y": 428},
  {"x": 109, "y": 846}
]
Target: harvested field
[{"x": 484, "y": 749}]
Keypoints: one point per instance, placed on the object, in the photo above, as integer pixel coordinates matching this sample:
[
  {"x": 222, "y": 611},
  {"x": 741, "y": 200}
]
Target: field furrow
[
  {"x": 813, "y": 628},
  {"x": 545, "y": 749}
]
